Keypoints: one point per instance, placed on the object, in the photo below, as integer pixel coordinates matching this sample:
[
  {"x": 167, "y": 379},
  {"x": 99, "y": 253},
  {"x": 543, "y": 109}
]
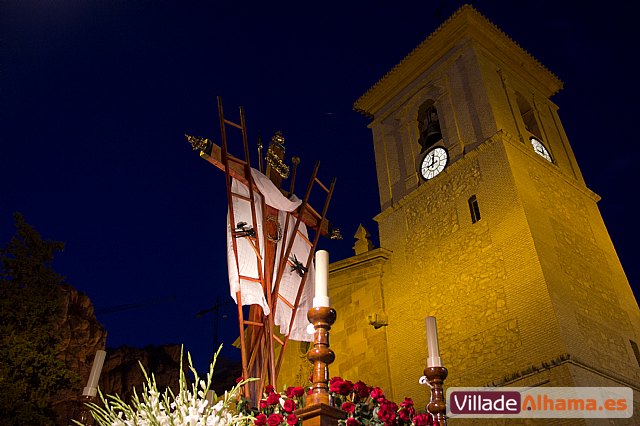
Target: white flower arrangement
[{"x": 190, "y": 407}]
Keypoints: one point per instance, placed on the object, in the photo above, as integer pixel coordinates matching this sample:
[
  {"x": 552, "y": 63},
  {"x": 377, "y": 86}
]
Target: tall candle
[
  {"x": 432, "y": 344},
  {"x": 321, "y": 297},
  {"x": 96, "y": 369}
]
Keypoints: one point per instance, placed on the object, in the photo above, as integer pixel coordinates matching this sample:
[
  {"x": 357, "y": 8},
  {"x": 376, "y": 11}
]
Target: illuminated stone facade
[{"x": 530, "y": 294}]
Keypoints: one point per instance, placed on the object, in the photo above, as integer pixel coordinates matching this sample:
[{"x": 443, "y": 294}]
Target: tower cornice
[{"x": 465, "y": 24}]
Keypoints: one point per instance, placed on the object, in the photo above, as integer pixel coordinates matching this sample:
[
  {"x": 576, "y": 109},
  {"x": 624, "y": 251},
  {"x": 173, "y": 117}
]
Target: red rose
[
  {"x": 387, "y": 414},
  {"x": 391, "y": 405},
  {"x": 239, "y": 379},
  {"x": 335, "y": 379},
  {"x": 293, "y": 392},
  {"x": 352, "y": 422},
  {"x": 346, "y": 387},
  {"x": 273, "y": 398},
  {"x": 334, "y": 385},
  {"x": 275, "y": 419},
  {"x": 408, "y": 402},
  {"x": 289, "y": 406},
  {"x": 269, "y": 389},
  {"x": 361, "y": 389},
  {"x": 341, "y": 387},
  {"x": 348, "y": 407},
  {"x": 405, "y": 415},
  {"x": 377, "y": 394},
  {"x": 292, "y": 419},
  {"x": 289, "y": 392},
  {"x": 422, "y": 419},
  {"x": 262, "y": 404},
  {"x": 261, "y": 420}
]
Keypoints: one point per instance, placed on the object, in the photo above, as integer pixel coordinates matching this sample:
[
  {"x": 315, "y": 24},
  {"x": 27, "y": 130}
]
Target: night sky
[{"x": 96, "y": 96}]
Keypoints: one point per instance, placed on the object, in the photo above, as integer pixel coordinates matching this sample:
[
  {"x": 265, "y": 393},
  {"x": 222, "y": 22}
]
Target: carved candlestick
[
  {"x": 318, "y": 410},
  {"x": 437, "y": 405},
  {"x": 320, "y": 355}
]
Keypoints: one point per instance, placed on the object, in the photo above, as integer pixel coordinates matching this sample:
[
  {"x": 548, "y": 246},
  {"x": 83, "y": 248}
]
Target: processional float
[{"x": 269, "y": 249}]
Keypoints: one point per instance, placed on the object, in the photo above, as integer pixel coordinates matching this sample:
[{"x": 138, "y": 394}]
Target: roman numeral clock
[{"x": 433, "y": 162}]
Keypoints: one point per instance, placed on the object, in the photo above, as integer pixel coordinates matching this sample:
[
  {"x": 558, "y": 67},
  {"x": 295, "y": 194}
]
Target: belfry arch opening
[
  {"x": 428, "y": 125},
  {"x": 528, "y": 116}
]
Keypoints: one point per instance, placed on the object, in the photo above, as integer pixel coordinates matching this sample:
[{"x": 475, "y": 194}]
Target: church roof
[{"x": 466, "y": 23}]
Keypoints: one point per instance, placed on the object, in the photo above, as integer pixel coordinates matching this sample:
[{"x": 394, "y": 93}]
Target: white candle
[
  {"x": 432, "y": 344},
  {"x": 321, "y": 297},
  {"x": 96, "y": 369}
]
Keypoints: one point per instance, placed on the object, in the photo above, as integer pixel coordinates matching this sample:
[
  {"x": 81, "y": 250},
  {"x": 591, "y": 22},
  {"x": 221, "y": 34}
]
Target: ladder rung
[
  {"x": 255, "y": 280},
  {"x": 241, "y": 234},
  {"x": 285, "y": 301},
  {"x": 305, "y": 238},
  {"x": 313, "y": 212},
  {"x": 242, "y": 197},
  {"x": 277, "y": 339},
  {"x": 321, "y": 185},
  {"x": 231, "y": 123},
  {"x": 257, "y": 324}
]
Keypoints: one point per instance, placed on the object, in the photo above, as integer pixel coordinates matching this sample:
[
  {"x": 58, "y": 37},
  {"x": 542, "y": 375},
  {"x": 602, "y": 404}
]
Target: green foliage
[{"x": 31, "y": 309}]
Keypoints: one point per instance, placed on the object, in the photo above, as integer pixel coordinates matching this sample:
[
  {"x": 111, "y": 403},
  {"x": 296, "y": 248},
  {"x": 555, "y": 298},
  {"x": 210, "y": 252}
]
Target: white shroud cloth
[
  {"x": 290, "y": 283},
  {"x": 251, "y": 292}
]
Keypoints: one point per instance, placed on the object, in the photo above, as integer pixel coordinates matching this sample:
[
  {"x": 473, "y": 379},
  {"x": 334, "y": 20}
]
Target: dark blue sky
[{"x": 95, "y": 97}]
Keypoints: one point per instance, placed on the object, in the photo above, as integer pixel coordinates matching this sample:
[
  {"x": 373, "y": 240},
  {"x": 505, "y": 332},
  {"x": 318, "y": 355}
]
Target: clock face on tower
[
  {"x": 433, "y": 162},
  {"x": 540, "y": 149}
]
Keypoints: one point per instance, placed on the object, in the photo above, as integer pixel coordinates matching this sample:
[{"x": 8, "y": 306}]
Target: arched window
[
  {"x": 428, "y": 125},
  {"x": 528, "y": 117}
]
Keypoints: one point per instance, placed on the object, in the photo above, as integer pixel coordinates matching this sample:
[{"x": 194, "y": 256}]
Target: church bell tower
[{"x": 486, "y": 223}]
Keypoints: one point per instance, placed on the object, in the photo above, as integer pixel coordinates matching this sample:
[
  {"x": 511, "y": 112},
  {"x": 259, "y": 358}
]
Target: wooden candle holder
[
  {"x": 320, "y": 355},
  {"x": 437, "y": 405},
  {"x": 82, "y": 412},
  {"x": 318, "y": 410}
]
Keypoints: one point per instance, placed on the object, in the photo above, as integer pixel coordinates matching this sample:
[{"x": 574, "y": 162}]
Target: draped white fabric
[
  {"x": 251, "y": 292},
  {"x": 291, "y": 282},
  {"x": 273, "y": 196}
]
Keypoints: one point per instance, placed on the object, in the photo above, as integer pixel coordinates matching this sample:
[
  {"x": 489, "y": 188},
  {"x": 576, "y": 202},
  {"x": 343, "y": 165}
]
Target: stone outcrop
[
  {"x": 82, "y": 335},
  {"x": 122, "y": 373}
]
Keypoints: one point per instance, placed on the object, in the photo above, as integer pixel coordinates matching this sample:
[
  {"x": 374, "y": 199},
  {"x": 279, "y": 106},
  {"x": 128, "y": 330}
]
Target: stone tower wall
[{"x": 482, "y": 281}]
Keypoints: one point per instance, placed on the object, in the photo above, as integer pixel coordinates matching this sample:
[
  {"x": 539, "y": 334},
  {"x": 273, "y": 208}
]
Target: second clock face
[
  {"x": 540, "y": 149},
  {"x": 433, "y": 162}
]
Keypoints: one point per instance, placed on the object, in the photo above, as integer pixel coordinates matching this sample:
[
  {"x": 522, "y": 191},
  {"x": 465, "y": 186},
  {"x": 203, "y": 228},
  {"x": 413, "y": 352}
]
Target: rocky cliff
[
  {"x": 122, "y": 373},
  {"x": 83, "y": 335}
]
